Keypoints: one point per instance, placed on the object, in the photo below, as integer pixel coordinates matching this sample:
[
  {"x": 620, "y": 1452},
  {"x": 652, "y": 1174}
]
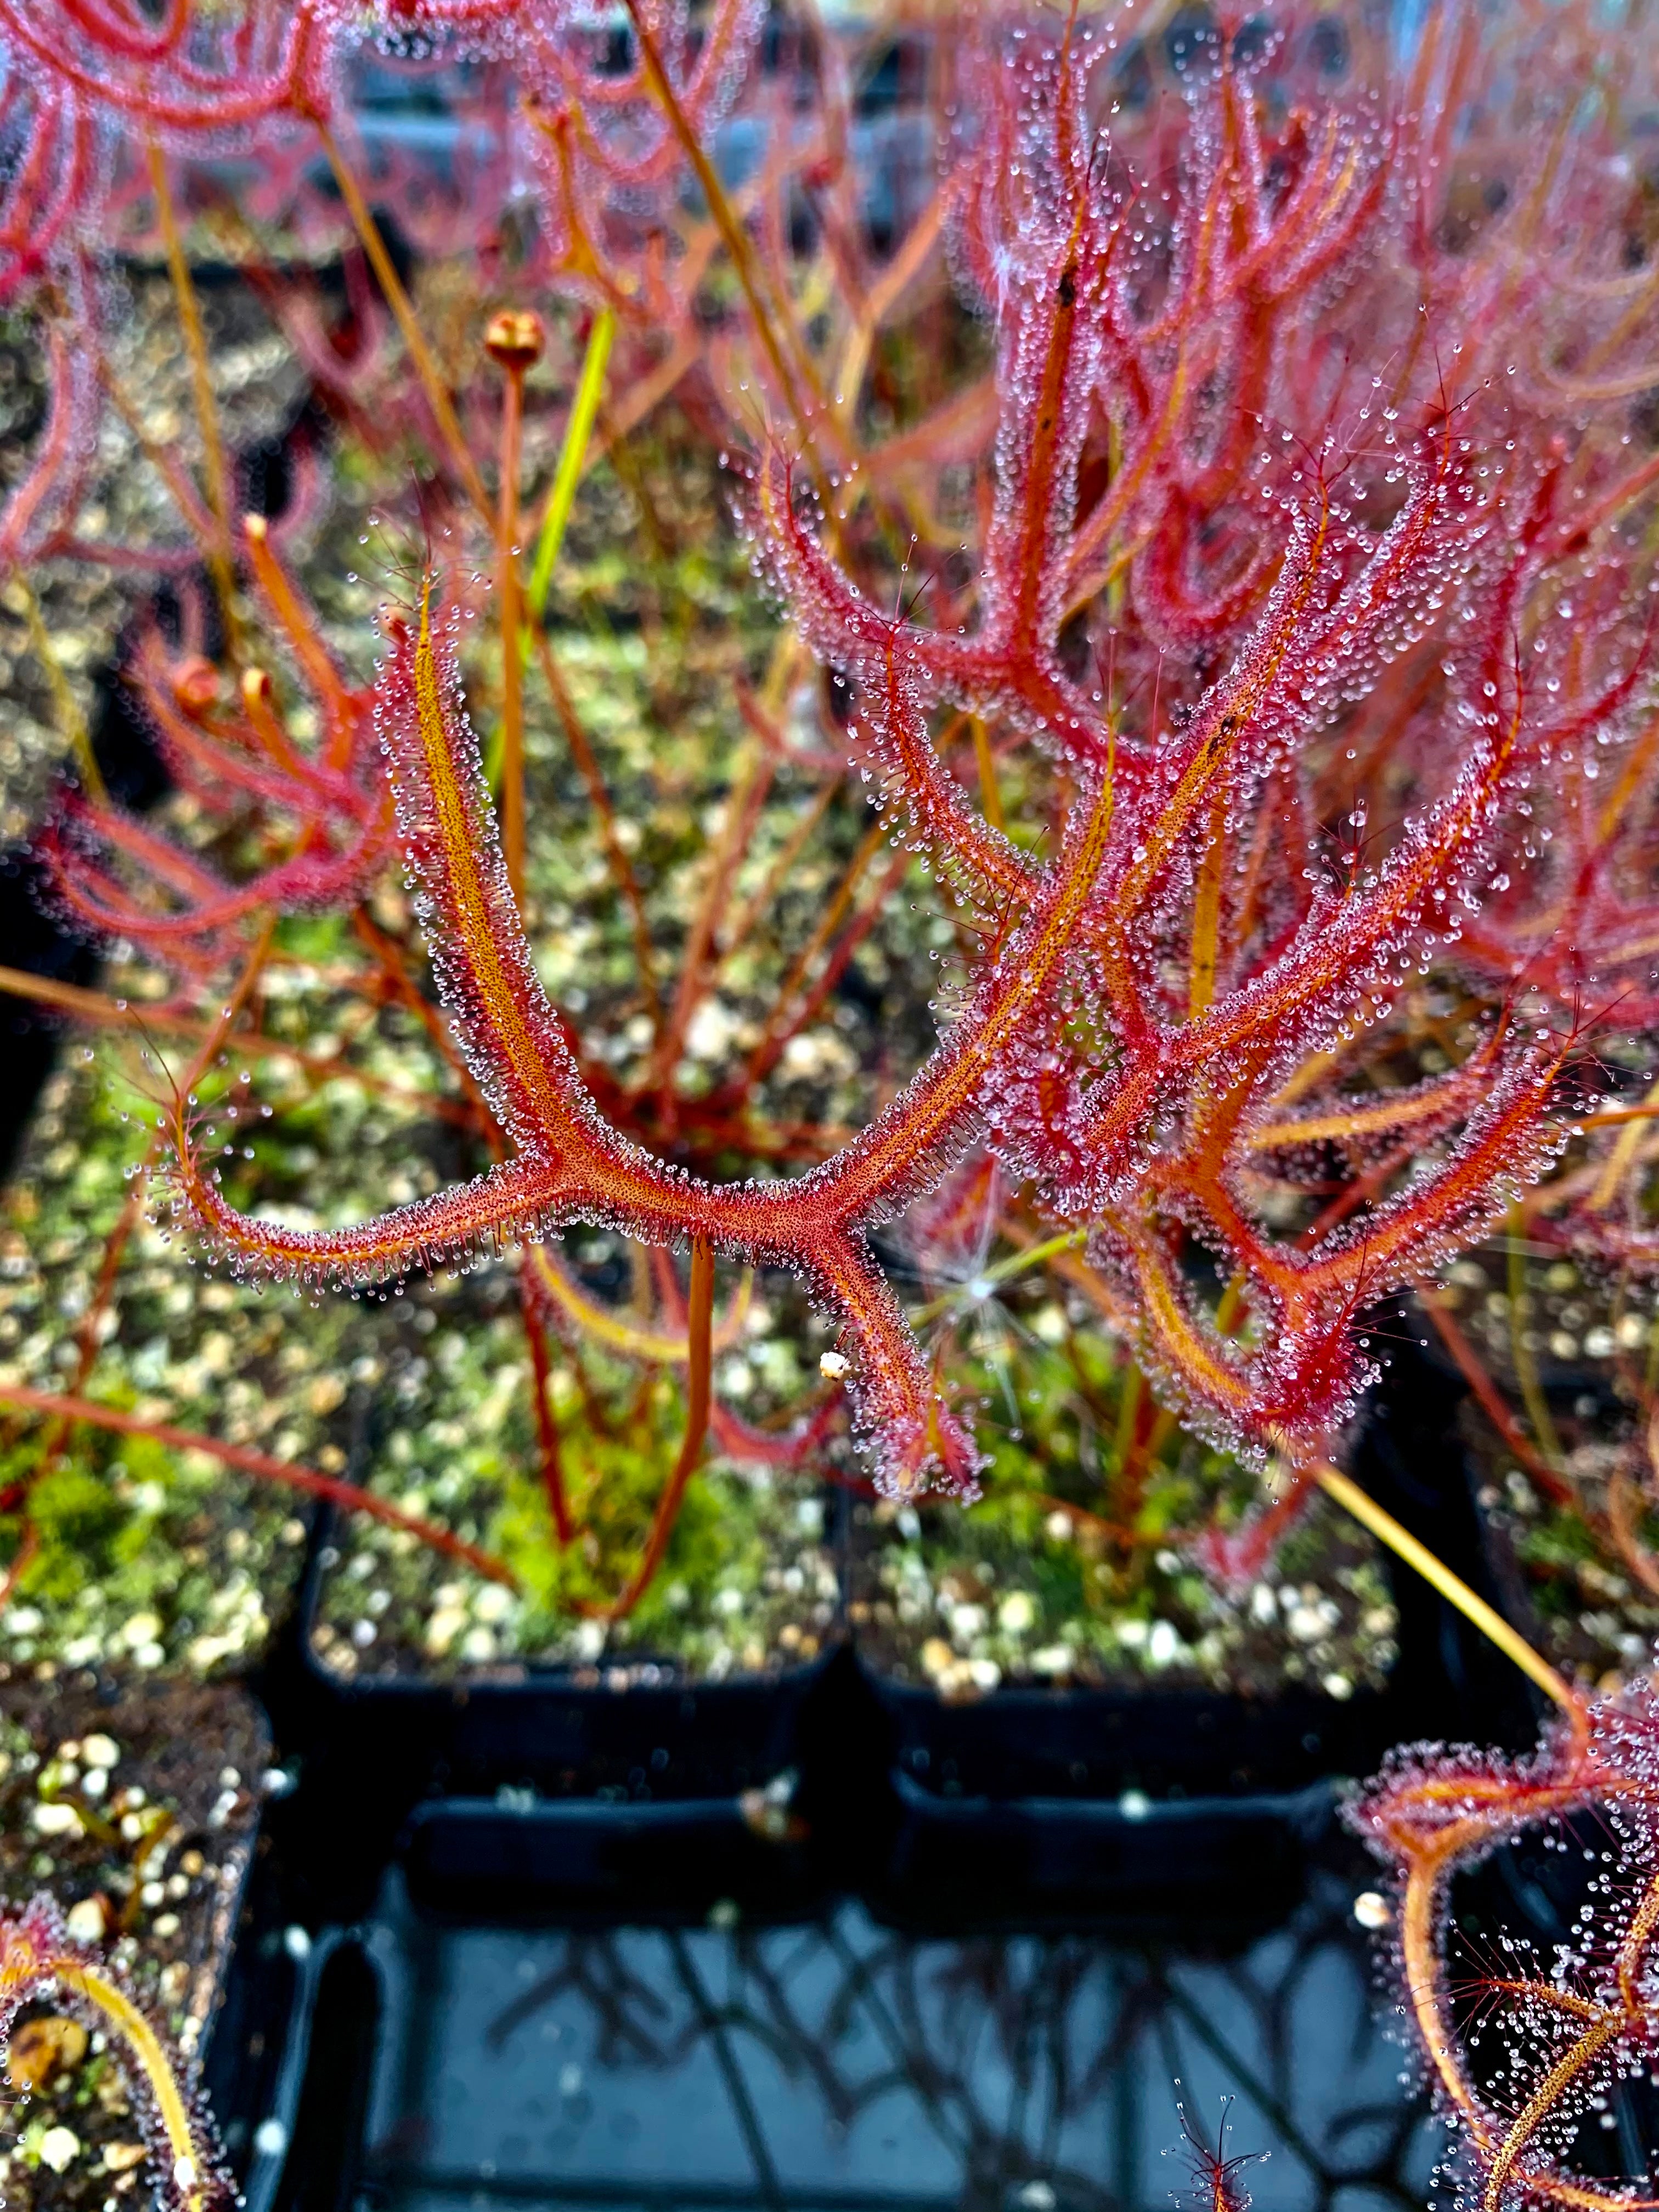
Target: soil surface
[{"x": 968, "y": 1601}]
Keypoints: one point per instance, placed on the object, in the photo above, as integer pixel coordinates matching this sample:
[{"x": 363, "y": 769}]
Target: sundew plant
[{"x": 1128, "y": 852}]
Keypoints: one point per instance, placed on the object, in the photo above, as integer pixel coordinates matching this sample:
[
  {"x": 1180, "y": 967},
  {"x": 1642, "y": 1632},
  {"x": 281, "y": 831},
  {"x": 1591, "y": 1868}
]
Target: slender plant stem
[
  {"x": 622, "y": 868},
  {"x": 397, "y": 299},
  {"x": 1526, "y": 1368},
  {"x": 1387, "y": 1530},
  {"x": 541, "y": 1384},
  {"x": 1491, "y": 1402},
  {"x": 1128, "y": 1413},
  {"x": 185, "y": 496},
  {"x": 985, "y": 761},
  {"x": 699, "y": 1330},
  {"x": 584, "y": 411},
  {"x": 732, "y": 234},
  {"x": 779, "y": 872},
  {"x": 507, "y": 583},
  {"x": 70, "y": 720},
  {"x": 89, "y": 1005},
  {"x": 207, "y": 411},
  {"x": 206, "y": 1051},
  {"x": 88, "y": 1336}
]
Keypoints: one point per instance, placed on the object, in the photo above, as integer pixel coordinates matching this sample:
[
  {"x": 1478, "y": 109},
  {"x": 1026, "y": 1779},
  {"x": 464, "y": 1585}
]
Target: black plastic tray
[
  {"x": 1201, "y": 1817},
  {"x": 1143, "y": 1804},
  {"x": 623, "y": 2055},
  {"x": 1109, "y": 1802},
  {"x": 483, "y": 1766}
]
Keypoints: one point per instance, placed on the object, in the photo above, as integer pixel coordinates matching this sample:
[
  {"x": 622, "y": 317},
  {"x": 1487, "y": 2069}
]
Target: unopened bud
[
  {"x": 515, "y": 339},
  {"x": 195, "y": 685}
]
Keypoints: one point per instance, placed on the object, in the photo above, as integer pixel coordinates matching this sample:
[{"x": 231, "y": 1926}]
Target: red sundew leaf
[
  {"x": 330, "y": 809},
  {"x": 1276, "y": 485}
]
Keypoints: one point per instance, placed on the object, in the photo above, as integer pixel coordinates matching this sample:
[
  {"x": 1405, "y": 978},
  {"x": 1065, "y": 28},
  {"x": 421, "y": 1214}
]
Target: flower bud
[
  {"x": 515, "y": 340},
  {"x": 195, "y": 685}
]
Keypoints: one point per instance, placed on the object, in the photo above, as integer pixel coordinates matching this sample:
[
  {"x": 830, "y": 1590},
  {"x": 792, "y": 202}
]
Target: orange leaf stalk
[
  {"x": 1574, "y": 2032},
  {"x": 38, "y": 1959}
]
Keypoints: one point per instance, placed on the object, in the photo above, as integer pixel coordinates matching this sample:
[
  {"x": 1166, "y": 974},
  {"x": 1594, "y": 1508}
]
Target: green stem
[
  {"x": 584, "y": 408},
  {"x": 589, "y": 390},
  {"x": 1383, "y": 1526}
]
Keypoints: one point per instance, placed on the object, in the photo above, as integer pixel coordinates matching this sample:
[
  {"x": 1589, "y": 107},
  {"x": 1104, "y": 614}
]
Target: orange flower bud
[
  {"x": 515, "y": 340},
  {"x": 195, "y": 685}
]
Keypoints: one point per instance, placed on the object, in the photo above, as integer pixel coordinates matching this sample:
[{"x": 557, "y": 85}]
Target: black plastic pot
[
  {"x": 544, "y": 1780},
  {"x": 250, "y": 2037},
  {"x": 479, "y": 1857},
  {"x": 288, "y": 2058},
  {"x": 574, "y": 2045},
  {"x": 375, "y": 1756},
  {"x": 1155, "y": 1807},
  {"x": 1213, "y": 1868},
  {"x": 1149, "y": 1805},
  {"x": 1131, "y": 1806}
]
